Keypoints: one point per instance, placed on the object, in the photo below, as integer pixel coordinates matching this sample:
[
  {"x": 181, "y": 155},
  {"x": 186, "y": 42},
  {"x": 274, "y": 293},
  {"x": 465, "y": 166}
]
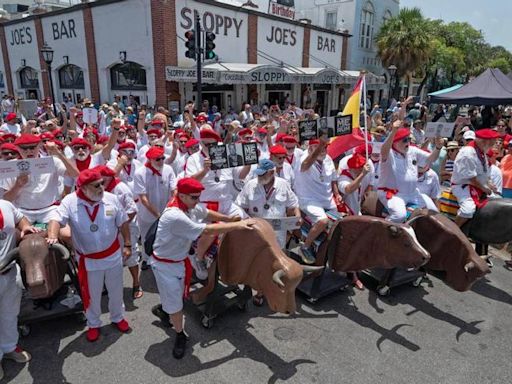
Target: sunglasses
[
  {"x": 160, "y": 159},
  {"x": 28, "y": 147},
  {"x": 9, "y": 154},
  {"x": 183, "y": 142},
  {"x": 453, "y": 149},
  {"x": 280, "y": 157},
  {"x": 501, "y": 125},
  {"x": 98, "y": 185},
  {"x": 128, "y": 151},
  {"x": 80, "y": 147},
  {"x": 406, "y": 140},
  {"x": 194, "y": 197}
]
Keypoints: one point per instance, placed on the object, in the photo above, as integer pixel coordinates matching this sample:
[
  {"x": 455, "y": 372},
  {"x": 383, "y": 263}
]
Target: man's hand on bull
[
  {"x": 29, "y": 230},
  {"x": 235, "y": 218},
  {"x": 246, "y": 224},
  {"x": 492, "y": 187},
  {"x": 52, "y": 240}
]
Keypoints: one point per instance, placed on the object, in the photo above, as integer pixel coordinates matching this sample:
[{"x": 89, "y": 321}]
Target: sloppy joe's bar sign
[
  {"x": 190, "y": 74},
  {"x": 229, "y": 27}
]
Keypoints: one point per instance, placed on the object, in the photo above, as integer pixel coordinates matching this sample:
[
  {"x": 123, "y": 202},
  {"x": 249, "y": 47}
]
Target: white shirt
[
  {"x": 315, "y": 183},
  {"x": 10, "y": 128},
  {"x": 111, "y": 215},
  {"x": 401, "y": 172},
  {"x": 179, "y": 162},
  {"x": 12, "y": 217},
  {"x": 177, "y": 230},
  {"x": 141, "y": 154},
  {"x": 158, "y": 189},
  {"x": 294, "y": 161},
  {"x": 41, "y": 191},
  {"x": 96, "y": 159},
  {"x": 467, "y": 165},
  {"x": 125, "y": 196},
  {"x": 496, "y": 178},
  {"x": 127, "y": 173},
  {"x": 220, "y": 190},
  {"x": 429, "y": 184},
  {"x": 287, "y": 173}
]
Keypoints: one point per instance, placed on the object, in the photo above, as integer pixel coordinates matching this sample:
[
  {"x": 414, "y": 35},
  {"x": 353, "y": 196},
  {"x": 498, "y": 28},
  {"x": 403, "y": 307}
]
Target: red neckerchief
[
  {"x": 176, "y": 202},
  {"x": 82, "y": 196},
  {"x": 479, "y": 153},
  {"x": 346, "y": 172},
  {"x": 1, "y": 220},
  {"x": 153, "y": 169},
  {"x": 289, "y": 159},
  {"x": 83, "y": 164},
  {"x": 128, "y": 169},
  {"x": 112, "y": 184}
]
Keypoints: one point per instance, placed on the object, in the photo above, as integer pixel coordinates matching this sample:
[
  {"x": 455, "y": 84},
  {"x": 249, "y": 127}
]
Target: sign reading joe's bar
[
  {"x": 232, "y": 155},
  {"x": 229, "y": 27}
]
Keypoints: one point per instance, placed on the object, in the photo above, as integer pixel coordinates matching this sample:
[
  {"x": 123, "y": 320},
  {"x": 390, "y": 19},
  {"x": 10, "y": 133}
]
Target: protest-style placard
[
  {"x": 32, "y": 167},
  {"x": 232, "y": 155},
  {"x": 90, "y": 115},
  {"x": 343, "y": 125},
  {"x": 308, "y": 130},
  {"x": 439, "y": 129}
]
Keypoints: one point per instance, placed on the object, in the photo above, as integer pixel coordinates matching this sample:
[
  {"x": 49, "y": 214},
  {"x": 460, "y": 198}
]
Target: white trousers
[
  {"x": 133, "y": 260},
  {"x": 10, "y": 300},
  {"x": 467, "y": 206},
  {"x": 397, "y": 205},
  {"x": 113, "y": 280},
  {"x": 42, "y": 216}
]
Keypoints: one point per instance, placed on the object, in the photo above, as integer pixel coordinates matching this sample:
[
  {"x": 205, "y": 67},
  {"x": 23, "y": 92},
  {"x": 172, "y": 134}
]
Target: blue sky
[{"x": 491, "y": 17}]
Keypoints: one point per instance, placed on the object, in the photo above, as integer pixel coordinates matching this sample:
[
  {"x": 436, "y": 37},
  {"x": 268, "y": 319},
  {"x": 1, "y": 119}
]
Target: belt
[
  {"x": 188, "y": 271},
  {"x": 37, "y": 209},
  {"x": 82, "y": 272}
]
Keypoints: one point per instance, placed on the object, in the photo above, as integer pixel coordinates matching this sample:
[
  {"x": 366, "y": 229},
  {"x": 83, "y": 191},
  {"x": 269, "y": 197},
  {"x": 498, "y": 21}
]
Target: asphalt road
[{"x": 429, "y": 334}]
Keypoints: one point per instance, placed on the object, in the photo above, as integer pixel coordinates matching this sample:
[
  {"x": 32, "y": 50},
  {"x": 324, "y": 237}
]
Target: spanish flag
[{"x": 353, "y": 105}]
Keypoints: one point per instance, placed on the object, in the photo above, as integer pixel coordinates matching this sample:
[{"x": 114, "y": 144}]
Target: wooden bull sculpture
[
  {"x": 254, "y": 258},
  {"x": 364, "y": 242},
  {"x": 450, "y": 251},
  {"x": 42, "y": 267},
  {"x": 492, "y": 224}
]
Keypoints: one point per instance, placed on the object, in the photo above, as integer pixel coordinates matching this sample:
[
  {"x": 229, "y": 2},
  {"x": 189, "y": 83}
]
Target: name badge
[{"x": 109, "y": 213}]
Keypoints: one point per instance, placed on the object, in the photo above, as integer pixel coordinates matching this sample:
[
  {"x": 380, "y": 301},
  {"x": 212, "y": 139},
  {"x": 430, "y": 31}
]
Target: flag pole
[{"x": 363, "y": 73}]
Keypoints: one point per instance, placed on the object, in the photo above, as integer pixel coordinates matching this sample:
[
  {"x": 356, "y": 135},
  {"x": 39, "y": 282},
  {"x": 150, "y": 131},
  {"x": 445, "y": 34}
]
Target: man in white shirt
[
  {"x": 283, "y": 168},
  {"x": 354, "y": 181},
  {"x": 317, "y": 189},
  {"x": 96, "y": 218},
  {"x": 495, "y": 175},
  {"x": 293, "y": 153},
  {"x": 10, "y": 291},
  {"x": 125, "y": 165},
  {"x": 180, "y": 224},
  {"x": 11, "y": 124}
]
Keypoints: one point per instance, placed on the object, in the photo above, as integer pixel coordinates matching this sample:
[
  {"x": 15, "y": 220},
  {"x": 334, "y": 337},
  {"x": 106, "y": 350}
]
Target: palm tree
[{"x": 405, "y": 41}]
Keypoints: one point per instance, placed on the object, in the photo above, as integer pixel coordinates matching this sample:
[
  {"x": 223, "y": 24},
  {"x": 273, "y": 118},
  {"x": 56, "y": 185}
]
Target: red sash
[
  {"x": 82, "y": 271},
  {"x": 389, "y": 192},
  {"x": 343, "y": 207},
  {"x": 188, "y": 271},
  {"x": 478, "y": 196}
]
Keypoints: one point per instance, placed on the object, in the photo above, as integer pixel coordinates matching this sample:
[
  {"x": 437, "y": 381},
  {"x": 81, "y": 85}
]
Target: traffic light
[
  {"x": 190, "y": 43},
  {"x": 209, "y": 46}
]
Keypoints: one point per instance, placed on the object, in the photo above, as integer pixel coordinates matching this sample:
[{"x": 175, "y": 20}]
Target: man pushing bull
[{"x": 179, "y": 225}]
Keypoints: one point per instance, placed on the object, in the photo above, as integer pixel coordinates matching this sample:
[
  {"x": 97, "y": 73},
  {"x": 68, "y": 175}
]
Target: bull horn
[
  {"x": 469, "y": 266},
  {"x": 62, "y": 250},
  {"x": 277, "y": 277},
  {"x": 312, "y": 268},
  {"x": 8, "y": 259}
]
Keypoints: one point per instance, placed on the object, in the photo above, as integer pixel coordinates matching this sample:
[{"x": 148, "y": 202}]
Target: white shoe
[
  {"x": 18, "y": 355},
  {"x": 199, "y": 267}
]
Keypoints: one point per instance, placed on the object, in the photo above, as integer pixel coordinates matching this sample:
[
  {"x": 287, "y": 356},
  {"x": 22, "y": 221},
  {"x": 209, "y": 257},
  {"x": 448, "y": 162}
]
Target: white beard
[
  {"x": 94, "y": 196},
  {"x": 82, "y": 157}
]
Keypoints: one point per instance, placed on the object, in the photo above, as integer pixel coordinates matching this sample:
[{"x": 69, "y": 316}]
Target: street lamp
[
  {"x": 47, "y": 54},
  {"x": 392, "y": 71}
]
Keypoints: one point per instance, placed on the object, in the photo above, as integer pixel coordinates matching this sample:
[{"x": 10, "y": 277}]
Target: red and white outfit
[
  {"x": 127, "y": 173},
  {"x": 91, "y": 161},
  {"x": 428, "y": 184},
  {"x": 158, "y": 186},
  {"x": 353, "y": 200},
  {"x": 10, "y": 292},
  {"x": 37, "y": 200},
  {"x": 99, "y": 252}
]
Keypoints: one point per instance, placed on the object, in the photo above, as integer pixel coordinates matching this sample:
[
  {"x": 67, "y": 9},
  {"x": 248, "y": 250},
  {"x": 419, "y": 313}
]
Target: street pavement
[{"x": 429, "y": 334}]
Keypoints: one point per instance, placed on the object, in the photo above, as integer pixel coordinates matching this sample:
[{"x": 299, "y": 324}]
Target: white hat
[
  {"x": 469, "y": 135},
  {"x": 178, "y": 124}
]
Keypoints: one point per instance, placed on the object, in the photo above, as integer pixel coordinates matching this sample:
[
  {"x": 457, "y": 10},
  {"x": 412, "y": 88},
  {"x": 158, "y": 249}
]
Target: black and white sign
[
  {"x": 439, "y": 129},
  {"x": 343, "y": 125},
  {"x": 233, "y": 155},
  {"x": 308, "y": 129},
  {"x": 325, "y": 126},
  {"x": 90, "y": 115}
]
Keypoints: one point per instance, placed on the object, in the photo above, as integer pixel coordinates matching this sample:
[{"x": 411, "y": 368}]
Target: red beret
[
  {"x": 154, "y": 153},
  {"x": 278, "y": 150},
  {"x": 401, "y": 134},
  {"x": 94, "y": 132},
  {"x": 280, "y": 136},
  {"x": 487, "y": 134},
  {"x": 126, "y": 145},
  {"x": 289, "y": 139},
  {"x": 314, "y": 142},
  {"x": 9, "y": 147},
  {"x": 262, "y": 131},
  {"x": 128, "y": 126},
  {"x": 102, "y": 139},
  {"x": 10, "y": 116},
  {"x": 79, "y": 114},
  {"x": 201, "y": 119},
  {"x": 9, "y": 136},
  {"x": 245, "y": 131},
  {"x": 57, "y": 132},
  {"x": 80, "y": 141},
  {"x": 157, "y": 123},
  {"x": 88, "y": 176},
  {"x": 356, "y": 161},
  {"x": 178, "y": 131},
  {"x": 361, "y": 149},
  {"x": 189, "y": 185},
  {"x": 154, "y": 131},
  {"x": 104, "y": 171},
  {"x": 27, "y": 139},
  {"x": 122, "y": 128},
  {"x": 209, "y": 134},
  {"x": 46, "y": 136},
  {"x": 59, "y": 144},
  {"x": 183, "y": 134},
  {"x": 191, "y": 143}
]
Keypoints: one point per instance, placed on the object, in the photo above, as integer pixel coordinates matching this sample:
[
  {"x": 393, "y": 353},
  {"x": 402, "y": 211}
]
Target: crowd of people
[{"x": 112, "y": 180}]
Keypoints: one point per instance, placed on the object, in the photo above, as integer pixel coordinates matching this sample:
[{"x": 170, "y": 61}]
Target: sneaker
[
  {"x": 93, "y": 334},
  {"x": 199, "y": 267},
  {"x": 123, "y": 326},
  {"x": 18, "y": 355},
  {"x": 306, "y": 254},
  {"x": 489, "y": 262},
  {"x": 179, "y": 345},
  {"x": 144, "y": 266},
  {"x": 162, "y": 315}
]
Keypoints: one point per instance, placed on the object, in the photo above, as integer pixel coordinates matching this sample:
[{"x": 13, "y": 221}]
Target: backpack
[{"x": 149, "y": 240}]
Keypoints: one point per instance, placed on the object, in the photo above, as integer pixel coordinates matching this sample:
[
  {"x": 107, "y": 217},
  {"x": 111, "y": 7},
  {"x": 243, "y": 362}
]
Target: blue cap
[{"x": 264, "y": 166}]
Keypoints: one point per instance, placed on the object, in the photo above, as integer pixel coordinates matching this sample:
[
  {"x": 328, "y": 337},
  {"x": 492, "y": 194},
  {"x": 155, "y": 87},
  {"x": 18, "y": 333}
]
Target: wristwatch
[{"x": 127, "y": 245}]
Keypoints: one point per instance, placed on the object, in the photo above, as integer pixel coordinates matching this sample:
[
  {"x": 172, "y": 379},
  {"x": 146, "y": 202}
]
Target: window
[
  {"x": 28, "y": 78},
  {"x": 366, "y": 33},
  {"x": 130, "y": 76},
  {"x": 331, "y": 20},
  {"x": 387, "y": 16},
  {"x": 71, "y": 77}
]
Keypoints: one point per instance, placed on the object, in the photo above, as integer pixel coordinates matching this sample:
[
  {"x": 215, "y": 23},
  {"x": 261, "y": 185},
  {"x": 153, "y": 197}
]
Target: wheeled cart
[{"x": 390, "y": 278}]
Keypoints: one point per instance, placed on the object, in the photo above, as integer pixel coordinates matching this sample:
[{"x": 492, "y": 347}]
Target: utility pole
[{"x": 198, "y": 58}]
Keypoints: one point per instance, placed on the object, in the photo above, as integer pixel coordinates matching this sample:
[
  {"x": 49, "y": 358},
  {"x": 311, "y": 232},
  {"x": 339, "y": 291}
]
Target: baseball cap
[
  {"x": 264, "y": 166},
  {"x": 469, "y": 135}
]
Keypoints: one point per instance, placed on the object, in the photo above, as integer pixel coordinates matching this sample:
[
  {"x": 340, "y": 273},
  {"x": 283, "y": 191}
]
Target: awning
[
  {"x": 441, "y": 91},
  {"x": 240, "y": 73}
]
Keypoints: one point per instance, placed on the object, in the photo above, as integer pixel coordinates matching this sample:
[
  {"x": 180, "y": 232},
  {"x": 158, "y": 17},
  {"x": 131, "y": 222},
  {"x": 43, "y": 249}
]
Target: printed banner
[
  {"x": 439, "y": 129},
  {"x": 32, "y": 167},
  {"x": 233, "y": 155}
]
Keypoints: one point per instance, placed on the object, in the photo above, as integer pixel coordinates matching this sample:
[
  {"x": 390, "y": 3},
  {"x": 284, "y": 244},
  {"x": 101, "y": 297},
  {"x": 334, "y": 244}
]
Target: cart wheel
[
  {"x": 24, "y": 330},
  {"x": 383, "y": 291},
  {"x": 207, "y": 322},
  {"x": 242, "y": 306},
  {"x": 417, "y": 282},
  {"x": 312, "y": 300}
]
